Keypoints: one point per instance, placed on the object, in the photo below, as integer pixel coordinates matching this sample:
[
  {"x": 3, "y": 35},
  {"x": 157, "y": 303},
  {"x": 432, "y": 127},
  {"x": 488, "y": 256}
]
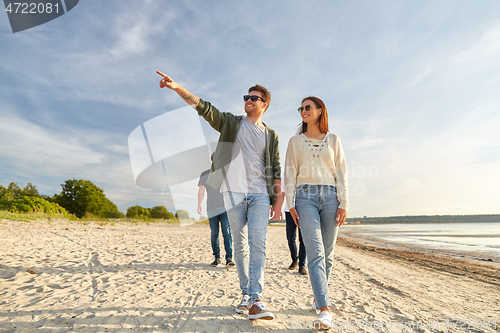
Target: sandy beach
[{"x": 85, "y": 277}]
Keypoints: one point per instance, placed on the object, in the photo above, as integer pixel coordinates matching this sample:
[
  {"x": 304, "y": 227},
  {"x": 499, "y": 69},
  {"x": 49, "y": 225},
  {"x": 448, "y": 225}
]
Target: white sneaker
[
  {"x": 324, "y": 321},
  {"x": 243, "y": 307},
  {"x": 314, "y": 306}
]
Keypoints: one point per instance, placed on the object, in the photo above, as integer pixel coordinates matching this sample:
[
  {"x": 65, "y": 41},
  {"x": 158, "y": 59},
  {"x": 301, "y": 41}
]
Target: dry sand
[{"x": 157, "y": 278}]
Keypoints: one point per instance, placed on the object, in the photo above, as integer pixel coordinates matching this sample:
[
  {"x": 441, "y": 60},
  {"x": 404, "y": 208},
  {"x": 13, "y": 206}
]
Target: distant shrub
[
  {"x": 82, "y": 196},
  {"x": 147, "y": 214},
  {"x": 182, "y": 214},
  {"x": 138, "y": 212},
  {"x": 28, "y": 204},
  {"x": 91, "y": 217},
  {"x": 13, "y": 190},
  {"x": 160, "y": 212}
]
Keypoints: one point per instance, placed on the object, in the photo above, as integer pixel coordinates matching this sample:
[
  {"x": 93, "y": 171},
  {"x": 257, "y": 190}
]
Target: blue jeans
[
  {"x": 317, "y": 208},
  {"x": 291, "y": 232},
  {"x": 226, "y": 233},
  {"x": 249, "y": 215}
]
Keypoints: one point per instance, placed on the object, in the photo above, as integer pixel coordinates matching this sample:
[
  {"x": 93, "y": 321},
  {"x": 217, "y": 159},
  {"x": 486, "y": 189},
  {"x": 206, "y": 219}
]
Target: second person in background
[
  {"x": 291, "y": 235},
  {"x": 217, "y": 216}
]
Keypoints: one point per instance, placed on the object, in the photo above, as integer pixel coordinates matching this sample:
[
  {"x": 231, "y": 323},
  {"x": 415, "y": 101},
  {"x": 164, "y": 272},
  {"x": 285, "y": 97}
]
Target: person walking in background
[
  {"x": 216, "y": 216},
  {"x": 291, "y": 232},
  {"x": 246, "y": 166},
  {"x": 316, "y": 193}
]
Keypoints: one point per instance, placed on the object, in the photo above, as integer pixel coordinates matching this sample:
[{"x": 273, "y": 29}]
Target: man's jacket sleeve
[{"x": 211, "y": 114}]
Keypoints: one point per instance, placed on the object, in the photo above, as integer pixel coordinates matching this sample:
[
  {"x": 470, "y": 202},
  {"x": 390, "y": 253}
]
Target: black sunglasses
[
  {"x": 307, "y": 108},
  {"x": 253, "y": 98}
]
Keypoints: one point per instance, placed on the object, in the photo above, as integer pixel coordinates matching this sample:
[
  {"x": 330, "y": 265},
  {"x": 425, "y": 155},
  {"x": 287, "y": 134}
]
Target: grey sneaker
[
  {"x": 259, "y": 311},
  {"x": 293, "y": 265},
  {"x": 229, "y": 263},
  {"x": 243, "y": 307},
  {"x": 216, "y": 262}
]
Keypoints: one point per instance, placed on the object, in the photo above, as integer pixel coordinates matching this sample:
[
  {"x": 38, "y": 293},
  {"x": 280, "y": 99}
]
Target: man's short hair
[{"x": 266, "y": 94}]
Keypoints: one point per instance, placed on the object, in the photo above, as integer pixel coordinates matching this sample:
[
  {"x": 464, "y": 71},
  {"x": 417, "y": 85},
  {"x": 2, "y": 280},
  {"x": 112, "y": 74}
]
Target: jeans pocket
[{"x": 302, "y": 189}]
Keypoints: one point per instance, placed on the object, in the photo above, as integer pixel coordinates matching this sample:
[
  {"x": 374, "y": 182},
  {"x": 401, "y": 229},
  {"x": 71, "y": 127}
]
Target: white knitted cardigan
[{"x": 315, "y": 162}]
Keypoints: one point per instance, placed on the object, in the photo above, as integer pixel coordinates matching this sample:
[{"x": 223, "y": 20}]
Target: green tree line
[
  {"x": 80, "y": 198},
  {"x": 158, "y": 212}
]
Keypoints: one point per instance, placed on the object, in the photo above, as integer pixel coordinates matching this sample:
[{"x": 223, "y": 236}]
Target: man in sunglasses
[{"x": 246, "y": 167}]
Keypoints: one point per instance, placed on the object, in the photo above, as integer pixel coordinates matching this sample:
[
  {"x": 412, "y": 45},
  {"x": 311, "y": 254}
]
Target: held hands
[
  {"x": 276, "y": 212},
  {"x": 167, "y": 82}
]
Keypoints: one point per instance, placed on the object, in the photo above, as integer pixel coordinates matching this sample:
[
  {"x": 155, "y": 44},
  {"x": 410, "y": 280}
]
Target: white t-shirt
[{"x": 246, "y": 172}]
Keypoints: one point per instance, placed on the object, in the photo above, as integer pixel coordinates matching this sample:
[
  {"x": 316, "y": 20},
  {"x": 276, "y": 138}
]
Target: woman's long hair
[{"x": 323, "y": 118}]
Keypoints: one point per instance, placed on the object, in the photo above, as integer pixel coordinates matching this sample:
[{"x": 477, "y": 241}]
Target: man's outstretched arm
[{"x": 167, "y": 82}]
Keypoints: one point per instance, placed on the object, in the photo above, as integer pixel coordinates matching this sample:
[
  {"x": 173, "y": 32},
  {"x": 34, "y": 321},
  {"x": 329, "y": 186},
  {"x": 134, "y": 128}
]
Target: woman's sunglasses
[
  {"x": 307, "y": 108},
  {"x": 253, "y": 98}
]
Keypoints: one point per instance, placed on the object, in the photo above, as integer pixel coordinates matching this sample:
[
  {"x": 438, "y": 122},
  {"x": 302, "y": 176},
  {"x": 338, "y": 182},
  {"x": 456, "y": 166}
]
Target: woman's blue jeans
[
  {"x": 317, "y": 208},
  {"x": 226, "y": 234},
  {"x": 249, "y": 215}
]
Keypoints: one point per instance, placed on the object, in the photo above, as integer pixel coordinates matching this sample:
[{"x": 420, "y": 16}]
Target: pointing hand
[{"x": 167, "y": 82}]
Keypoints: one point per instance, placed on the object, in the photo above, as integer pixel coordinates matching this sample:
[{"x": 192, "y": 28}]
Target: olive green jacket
[{"x": 228, "y": 125}]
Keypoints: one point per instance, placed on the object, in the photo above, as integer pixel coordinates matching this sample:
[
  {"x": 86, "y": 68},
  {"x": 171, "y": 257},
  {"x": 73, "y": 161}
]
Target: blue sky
[{"x": 411, "y": 87}]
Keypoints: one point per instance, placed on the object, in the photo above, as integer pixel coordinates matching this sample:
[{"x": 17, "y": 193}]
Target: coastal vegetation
[
  {"x": 78, "y": 200},
  {"x": 182, "y": 214},
  {"x": 157, "y": 212},
  {"x": 28, "y": 202},
  {"x": 82, "y": 196}
]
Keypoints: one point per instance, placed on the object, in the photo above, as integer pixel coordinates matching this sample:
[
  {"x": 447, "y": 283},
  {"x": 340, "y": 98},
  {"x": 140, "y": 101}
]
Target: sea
[{"x": 469, "y": 237}]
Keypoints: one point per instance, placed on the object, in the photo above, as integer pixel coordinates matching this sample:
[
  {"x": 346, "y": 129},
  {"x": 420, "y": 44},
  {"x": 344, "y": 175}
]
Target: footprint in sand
[{"x": 55, "y": 286}]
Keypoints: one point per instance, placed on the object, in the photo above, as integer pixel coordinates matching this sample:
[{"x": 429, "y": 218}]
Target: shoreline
[
  {"x": 451, "y": 261},
  {"x": 94, "y": 277},
  {"x": 488, "y": 259}
]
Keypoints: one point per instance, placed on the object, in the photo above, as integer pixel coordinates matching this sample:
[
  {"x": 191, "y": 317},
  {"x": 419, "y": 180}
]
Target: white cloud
[
  {"x": 422, "y": 75},
  {"x": 23, "y": 140},
  {"x": 485, "y": 52},
  {"x": 36, "y": 152}
]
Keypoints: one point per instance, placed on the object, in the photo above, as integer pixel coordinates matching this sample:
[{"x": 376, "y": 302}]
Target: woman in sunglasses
[{"x": 316, "y": 190}]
